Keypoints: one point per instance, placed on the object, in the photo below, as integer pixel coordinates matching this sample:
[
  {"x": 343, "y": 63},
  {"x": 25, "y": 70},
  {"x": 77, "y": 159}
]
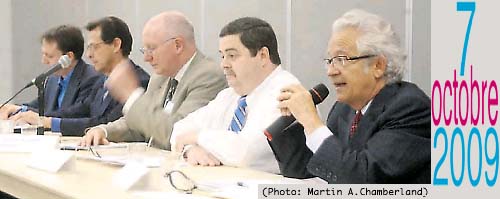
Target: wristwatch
[{"x": 185, "y": 150}]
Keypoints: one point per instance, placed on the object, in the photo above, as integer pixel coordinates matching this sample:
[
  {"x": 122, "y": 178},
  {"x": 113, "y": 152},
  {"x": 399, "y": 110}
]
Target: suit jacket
[
  {"x": 146, "y": 118},
  {"x": 96, "y": 109},
  {"x": 392, "y": 143},
  {"x": 79, "y": 88}
]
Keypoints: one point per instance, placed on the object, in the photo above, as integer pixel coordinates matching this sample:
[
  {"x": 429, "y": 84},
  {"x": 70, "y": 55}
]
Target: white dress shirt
[
  {"x": 249, "y": 147},
  {"x": 315, "y": 139}
]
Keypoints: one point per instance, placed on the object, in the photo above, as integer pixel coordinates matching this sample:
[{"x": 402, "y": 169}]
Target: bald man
[{"x": 184, "y": 81}]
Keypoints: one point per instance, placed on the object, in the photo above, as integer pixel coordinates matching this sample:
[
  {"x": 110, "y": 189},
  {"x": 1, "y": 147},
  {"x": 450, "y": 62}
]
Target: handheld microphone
[
  {"x": 318, "y": 93},
  {"x": 63, "y": 62}
]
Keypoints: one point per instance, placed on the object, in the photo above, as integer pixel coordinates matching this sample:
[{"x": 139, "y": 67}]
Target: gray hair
[{"x": 376, "y": 37}]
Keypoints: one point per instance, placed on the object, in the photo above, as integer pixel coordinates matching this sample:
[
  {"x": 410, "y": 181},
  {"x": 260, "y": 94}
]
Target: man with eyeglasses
[
  {"x": 184, "y": 80},
  {"x": 109, "y": 43},
  {"x": 67, "y": 87},
  {"x": 379, "y": 129}
]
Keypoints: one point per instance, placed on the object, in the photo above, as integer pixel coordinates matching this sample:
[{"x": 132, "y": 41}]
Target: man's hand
[
  {"x": 297, "y": 101},
  {"x": 122, "y": 81},
  {"x": 94, "y": 136},
  {"x": 198, "y": 156},
  {"x": 28, "y": 117},
  {"x": 190, "y": 138},
  {"x": 7, "y": 110}
]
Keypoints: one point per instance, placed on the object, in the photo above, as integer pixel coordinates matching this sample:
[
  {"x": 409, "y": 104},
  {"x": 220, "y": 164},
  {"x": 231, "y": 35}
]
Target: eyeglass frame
[
  {"x": 92, "y": 47},
  {"x": 347, "y": 58},
  {"x": 149, "y": 51},
  {"x": 187, "y": 191},
  {"x": 94, "y": 152}
]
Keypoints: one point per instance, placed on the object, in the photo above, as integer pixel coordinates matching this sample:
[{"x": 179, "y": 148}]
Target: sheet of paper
[
  {"x": 244, "y": 188},
  {"x": 27, "y": 143},
  {"x": 163, "y": 195},
  {"x": 122, "y": 160},
  {"x": 75, "y": 147}
]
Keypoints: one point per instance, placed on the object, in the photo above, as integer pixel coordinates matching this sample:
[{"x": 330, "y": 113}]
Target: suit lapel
[
  {"x": 52, "y": 89},
  {"x": 181, "y": 90},
  {"x": 343, "y": 128},
  {"x": 74, "y": 84},
  {"x": 101, "y": 107},
  {"x": 377, "y": 107}
]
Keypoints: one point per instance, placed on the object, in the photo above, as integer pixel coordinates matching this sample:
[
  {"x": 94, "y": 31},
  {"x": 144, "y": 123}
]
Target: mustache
[{"x": 228, "y": 72}]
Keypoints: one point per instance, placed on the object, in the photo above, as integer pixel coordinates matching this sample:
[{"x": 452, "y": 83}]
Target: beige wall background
[{"x": 302, "y": 28}]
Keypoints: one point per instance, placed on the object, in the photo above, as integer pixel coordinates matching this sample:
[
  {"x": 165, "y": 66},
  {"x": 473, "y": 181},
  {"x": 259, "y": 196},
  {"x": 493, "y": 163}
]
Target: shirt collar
[
  {"x": 183, "y": 69},
  {"x": 365, "y": 108},
  {"x": 263, "y": 84},
  {"x": 65, "y": 79}
]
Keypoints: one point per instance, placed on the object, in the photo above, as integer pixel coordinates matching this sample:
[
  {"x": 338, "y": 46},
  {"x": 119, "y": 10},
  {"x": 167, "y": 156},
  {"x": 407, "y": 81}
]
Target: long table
[{"x": 93, "y": 179}]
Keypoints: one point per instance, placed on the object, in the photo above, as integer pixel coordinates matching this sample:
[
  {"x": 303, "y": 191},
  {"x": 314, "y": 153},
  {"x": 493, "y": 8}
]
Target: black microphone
[
  {"x": 63, "y": 62},
  {"x": 318, "y": 93}
]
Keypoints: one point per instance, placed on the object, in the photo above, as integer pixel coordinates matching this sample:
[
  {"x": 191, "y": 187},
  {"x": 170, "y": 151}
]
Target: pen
[
  {"x": 76, "y": 148},
  {"x": 242, "y": 184},
  {"x": 16, "y": 112},
  {"x": 73, "y": 148},
  {"x": 150, "y": 141}
]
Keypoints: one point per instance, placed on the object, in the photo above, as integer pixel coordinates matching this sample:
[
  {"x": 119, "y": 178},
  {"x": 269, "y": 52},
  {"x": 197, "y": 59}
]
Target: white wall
[
  {"x": 5, "y": 50},
  {"x": 302, "y": 27}
]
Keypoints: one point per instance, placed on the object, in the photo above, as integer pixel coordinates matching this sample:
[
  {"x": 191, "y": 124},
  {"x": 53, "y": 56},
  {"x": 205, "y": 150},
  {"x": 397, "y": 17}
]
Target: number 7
[{"x": 466, "y": 6}]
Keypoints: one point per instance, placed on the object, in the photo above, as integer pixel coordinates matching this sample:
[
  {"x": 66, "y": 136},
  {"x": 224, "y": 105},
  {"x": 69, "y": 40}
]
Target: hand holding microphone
[{"x": 295, "y": 102}]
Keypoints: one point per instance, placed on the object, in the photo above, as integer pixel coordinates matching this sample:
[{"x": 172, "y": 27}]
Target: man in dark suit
[
  {"x": 109, "y": 44},
  {"x": 184, "y": 80},
  {"x": 379, "y": 129},
  {"x": 67, "y": 86}
]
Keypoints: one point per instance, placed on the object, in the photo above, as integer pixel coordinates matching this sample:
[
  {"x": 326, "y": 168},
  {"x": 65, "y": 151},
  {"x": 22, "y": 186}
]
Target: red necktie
[{"x": 354, "y": 124}]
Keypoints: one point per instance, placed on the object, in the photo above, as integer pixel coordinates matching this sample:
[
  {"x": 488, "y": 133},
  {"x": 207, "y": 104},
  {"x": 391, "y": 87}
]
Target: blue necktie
[
  {"x": 62, "y": 90},
  {"x": 239, "y": 117}
]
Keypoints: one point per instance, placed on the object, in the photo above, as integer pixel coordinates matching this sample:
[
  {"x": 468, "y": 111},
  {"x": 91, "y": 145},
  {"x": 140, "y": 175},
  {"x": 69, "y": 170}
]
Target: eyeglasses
[
  {"x": 149, "y": 51},
  {"x": 94, "y": 153},
  {"x": 94, "y": 46},
  {"x": 180, "y": 181},
  {"x": 341, "y": 59}
]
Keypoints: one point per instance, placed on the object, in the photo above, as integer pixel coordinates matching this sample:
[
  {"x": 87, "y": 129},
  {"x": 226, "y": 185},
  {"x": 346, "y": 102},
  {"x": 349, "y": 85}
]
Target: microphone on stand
[{"x": 63, "y": 62}]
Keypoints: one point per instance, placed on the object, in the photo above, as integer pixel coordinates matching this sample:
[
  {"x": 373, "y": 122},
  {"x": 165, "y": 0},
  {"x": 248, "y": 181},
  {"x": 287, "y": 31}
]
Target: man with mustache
[{"x": 229, "y": 129}]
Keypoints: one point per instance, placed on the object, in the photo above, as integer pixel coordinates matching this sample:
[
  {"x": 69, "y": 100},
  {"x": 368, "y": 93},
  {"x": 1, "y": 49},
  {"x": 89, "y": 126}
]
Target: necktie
[
  {"x": 354, "y": 125},
  {"x": 61, "y": 90},
  {"x": 239, "y": 117},
  {"x": 172, "y": 85},
  {"x": 106, "y": 92}
]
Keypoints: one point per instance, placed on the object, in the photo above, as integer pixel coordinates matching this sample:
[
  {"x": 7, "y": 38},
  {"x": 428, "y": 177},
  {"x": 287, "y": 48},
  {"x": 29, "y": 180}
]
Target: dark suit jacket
[
  {"x": 392, "y": 143},
  {"x": 95, "y": 109},
  {"x": 79, "y": 88}
]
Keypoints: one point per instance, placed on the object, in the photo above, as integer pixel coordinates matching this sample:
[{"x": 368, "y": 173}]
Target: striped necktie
[{"x": 239, "y": 117}]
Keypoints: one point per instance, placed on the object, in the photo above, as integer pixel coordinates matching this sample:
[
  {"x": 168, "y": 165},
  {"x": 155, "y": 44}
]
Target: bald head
[
  {"x": 171, "y": 24},
  {"x": 168, "y": 40}
]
